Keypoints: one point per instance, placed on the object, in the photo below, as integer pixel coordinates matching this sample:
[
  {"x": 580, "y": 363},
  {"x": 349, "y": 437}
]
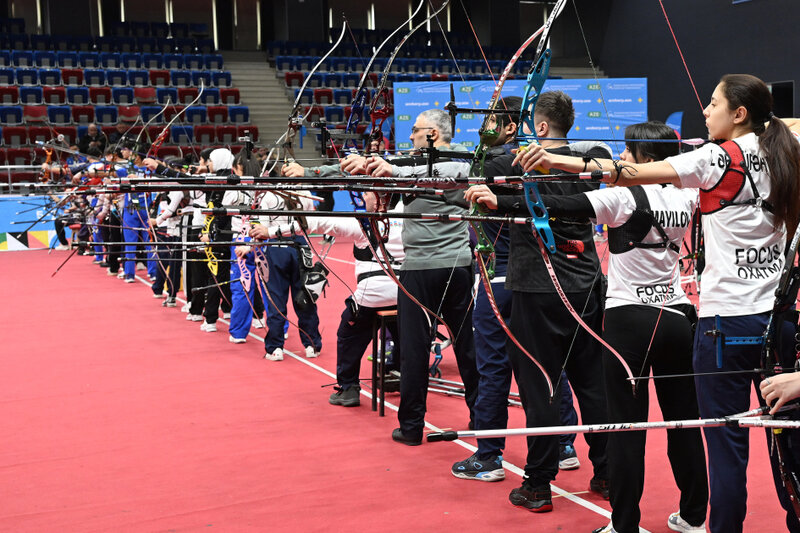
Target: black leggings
[{"x": 629, "y": 329}]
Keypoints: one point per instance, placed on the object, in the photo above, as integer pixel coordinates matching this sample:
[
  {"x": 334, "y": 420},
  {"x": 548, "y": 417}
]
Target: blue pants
[
  {"x": 169, "y": 267},
  {"x": 494, "y": 368},
  {"x": 717, "y": 396},
  {"x": 284, "y": 277},
  {"x": 134, "y": 230}
]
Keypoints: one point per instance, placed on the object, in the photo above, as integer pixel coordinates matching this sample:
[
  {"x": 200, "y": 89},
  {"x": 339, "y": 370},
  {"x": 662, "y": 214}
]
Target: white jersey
[
  {"x": 743, "y": 251},
  {"x": 646, "y": 276},
  {"x": 374, "y": 291}
]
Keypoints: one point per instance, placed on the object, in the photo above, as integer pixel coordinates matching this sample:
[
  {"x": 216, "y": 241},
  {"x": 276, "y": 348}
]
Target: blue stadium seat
[
  {"x": 94, "y": 76},
  {"x": 173, "y": 61},
  {"x": 110, "y": 60},
  {"x": 117, "y": 78},
  {"x": 332, "y": 80},
  {"x": 45, "y": 59},
  {"x": 78, "y": 95},
  {"x": 284, "y": 63},
  {"x": 198, "y": 30},
  {"x": 165, "y": 46},
  {"x": 394, "y": 78},
  {"x": 5, "y": 58},
  {"x": 150, "y": 61},
  {"x": 340, "y": 64},
  {"x": 130, "y": 61},
  {"x": 184, "y": 45},
  {"x": 210, "y": 96},
  {"x": 205, "y": 46},
  {"x": 106, "y": 44},
  {"x": 67, "y": 59},
  {"x": 50, "y": 76},
  {"x": 200, "y": 77},
  {"x": 196, "y": 115},
  {"x": 7, "y": 76},
  {"x": 81, "y": 43},
  {"x": 147, "y": 45},
  {"x": 308, "y": 96},
  {"x": 41, "y": 42},
  {"x": 122, "y": 95},
  {"x": 182, "y": 134},
  {"x": 30, "y": 95},
  {"x": 62, "y": 43},
  {"x": 239, "y": 114},
  {"x": 334, "y": 114},
  {"x": 27, "y": 76},
  {"x": 105, "y": 114},
  {"x": 150, "y": 111},
  {"x": 120, "y": 28},
  {"x": 16, "y": 41},
  {"x": 138, "y": 78},
  {"x": 350, "y": 80},
  {"x": 13, "y": 25},
  {"x": 89, "y": 59},
  {"x": 342, "y": 96},
  {"x": 82, "y": 131},
  {"x": 213, "y": 61},
  {"x": 59, "y": 114},
  {"x": 304, "y": 63},
  {"x": 125, "y": 44},
  {"x": 221, "y": 78},
  {"x": 193, "y": 61},
  {"x": 22, "y": 58},
  {"x": 180, "y": 78},
  {"x": 10, "y": 115},
  {"x": 164, "y": 94},
  {"x": 179, "y": 30}
]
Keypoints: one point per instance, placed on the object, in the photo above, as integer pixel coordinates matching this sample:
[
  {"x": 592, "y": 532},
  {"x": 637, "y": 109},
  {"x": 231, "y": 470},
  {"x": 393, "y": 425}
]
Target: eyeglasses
[{"x": 415, "y": 129}]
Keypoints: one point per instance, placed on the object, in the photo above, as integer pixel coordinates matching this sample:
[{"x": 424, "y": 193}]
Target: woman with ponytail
[{"x": 749, "y": 182}]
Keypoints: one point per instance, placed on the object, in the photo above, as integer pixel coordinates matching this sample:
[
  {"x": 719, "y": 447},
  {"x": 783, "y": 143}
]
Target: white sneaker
[
  {"x": 186, "y": 307},
  {"x": 208, "y": 328},
  {"x": 257, "y": 324},
  {"x": 286, "y": 335},
  {"x": 141, "y": 266},
  {"x": 62, "y": 247},
  {"x": 194, "y": 318},
  {"x": 130, "y": 280},
  {"x": 607, "y": 529},
  {"x": 277, "y": 355},
  {"x": 158, "y": 296},
  {"x": 121, "y": 274},
  {"x": 226, "y": 316},
  {"x": 234, "y": 340},
  {"x": 311, "y": 353},
  {"x": 676, "y": 523},
  {"x": 110, "y": 273}
]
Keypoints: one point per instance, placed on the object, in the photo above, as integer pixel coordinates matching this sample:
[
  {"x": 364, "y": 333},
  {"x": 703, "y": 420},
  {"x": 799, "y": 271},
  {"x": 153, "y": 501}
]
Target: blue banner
[{"x": 625, "y": 104}]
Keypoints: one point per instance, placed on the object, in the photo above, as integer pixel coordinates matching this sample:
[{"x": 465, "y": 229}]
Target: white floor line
[{"x": 472, "y": 449}]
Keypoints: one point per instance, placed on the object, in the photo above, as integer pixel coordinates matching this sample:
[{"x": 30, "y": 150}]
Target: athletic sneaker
[
  {"x": 158, "y": 296},
  {"x": 170, "y": 302},
  {"x": 194, "y": 318},
  {"x": 226, "y": 316},
  {"x": 475, "y": 468},
  {"x": 600, "y": 486},
  {"x": 606, "y": 529},
  {"x": 676, "y": 523},
  {"x": 130, "y": 280},
  {"x": 535, "y": 499},
  {"x": 567, "y": 458},
  {"x": 234, "y": 340},
  {"x": 311, "y": 353},
  {"x": 208, "y": 327},
  {"x": 348, "y": 397},
  {"x": 110, "y": 272},
  {"x": 186, "y": 307},
  {"x": 257, "y": 323},
  {"x": 121, "y": 274},
  {"x": 277, "y": 355}
]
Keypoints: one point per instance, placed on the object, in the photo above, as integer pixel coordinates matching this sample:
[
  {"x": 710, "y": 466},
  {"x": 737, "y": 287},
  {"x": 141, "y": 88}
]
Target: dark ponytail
[{"x": 779, "y": 145}]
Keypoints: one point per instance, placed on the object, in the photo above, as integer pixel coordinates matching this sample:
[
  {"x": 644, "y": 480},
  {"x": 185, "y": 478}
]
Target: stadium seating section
[{"x": 54, "y": 84}]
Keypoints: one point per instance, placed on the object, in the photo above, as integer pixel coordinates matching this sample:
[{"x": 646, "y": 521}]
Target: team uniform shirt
[
  {"x": 744, "y": 252},
  {"x": 168, "y": 218},
  {"x": 376, "y": 290},
  {"x": 646, "y": 276}
]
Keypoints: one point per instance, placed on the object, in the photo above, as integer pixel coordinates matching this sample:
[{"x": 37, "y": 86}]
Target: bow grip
[{"x": 541, "y": 220}]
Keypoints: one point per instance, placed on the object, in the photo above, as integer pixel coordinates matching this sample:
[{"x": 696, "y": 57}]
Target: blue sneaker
[{"x": 474, "y": 468}]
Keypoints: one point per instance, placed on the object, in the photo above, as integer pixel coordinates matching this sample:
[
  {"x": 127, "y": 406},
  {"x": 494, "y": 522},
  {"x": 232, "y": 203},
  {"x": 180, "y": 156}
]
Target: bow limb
[{"x": 785, "y": 302}]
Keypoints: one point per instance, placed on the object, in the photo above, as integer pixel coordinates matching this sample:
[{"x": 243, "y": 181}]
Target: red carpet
[{"x": 119, "y": 415}]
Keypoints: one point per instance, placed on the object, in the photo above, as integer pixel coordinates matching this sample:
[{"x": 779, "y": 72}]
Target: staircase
[{"x": 265, "y": 96}]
